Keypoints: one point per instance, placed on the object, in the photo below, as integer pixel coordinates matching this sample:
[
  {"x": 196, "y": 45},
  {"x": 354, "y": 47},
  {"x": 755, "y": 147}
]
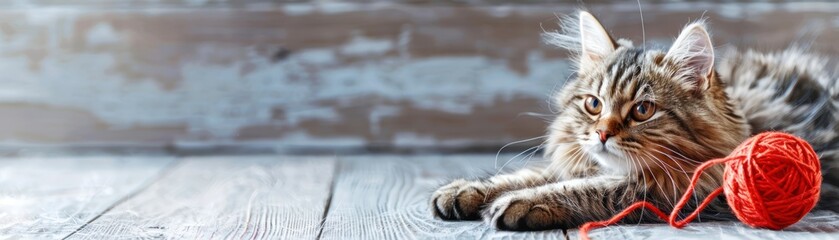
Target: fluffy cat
[{"x": 635, "y": 123}]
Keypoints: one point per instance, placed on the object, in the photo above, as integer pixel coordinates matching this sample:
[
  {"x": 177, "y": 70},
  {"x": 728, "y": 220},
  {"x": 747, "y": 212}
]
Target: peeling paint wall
[{"x": 320, "y": 74}]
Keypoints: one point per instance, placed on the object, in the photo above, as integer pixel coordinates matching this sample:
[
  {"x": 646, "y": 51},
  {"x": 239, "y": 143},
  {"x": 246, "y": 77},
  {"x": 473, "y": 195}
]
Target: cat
[{"x": 635, "y": 122}]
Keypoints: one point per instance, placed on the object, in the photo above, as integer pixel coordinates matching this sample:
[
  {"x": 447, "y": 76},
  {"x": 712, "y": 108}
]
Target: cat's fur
[{"x": 600, "y": 163}]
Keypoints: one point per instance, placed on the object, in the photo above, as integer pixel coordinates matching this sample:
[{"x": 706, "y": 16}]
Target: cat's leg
[
  {"x": 565, "y": 204},
  {"x": 463, "y": 200}
]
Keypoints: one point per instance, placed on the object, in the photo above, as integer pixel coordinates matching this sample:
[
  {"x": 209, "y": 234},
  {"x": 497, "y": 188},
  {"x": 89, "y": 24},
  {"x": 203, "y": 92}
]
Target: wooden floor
[{"x": 280, "y": 197}]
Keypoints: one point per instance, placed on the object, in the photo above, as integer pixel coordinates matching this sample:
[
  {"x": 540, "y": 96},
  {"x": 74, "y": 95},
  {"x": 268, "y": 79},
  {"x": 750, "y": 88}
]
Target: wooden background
[{"x": 367, "y": 75}]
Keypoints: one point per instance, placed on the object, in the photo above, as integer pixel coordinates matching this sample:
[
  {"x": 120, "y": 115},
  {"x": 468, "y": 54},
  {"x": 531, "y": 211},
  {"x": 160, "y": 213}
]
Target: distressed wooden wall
[{"x": 323, "y": 74}]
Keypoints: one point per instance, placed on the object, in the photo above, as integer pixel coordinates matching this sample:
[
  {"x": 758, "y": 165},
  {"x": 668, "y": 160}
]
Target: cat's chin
[{"x": 610, "y": 161}]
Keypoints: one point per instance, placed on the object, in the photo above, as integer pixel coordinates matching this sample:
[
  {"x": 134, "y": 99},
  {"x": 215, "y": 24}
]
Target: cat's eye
[
  {"x": 593, "y": 105},
  {"x": 643, "y": 111}
]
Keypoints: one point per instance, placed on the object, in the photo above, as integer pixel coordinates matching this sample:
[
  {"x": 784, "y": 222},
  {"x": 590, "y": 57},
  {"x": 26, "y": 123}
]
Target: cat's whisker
[
  {"x": 532, "y": 153},
  {"x": 665, "y": 165},
  {"x": 534, "y": 148},
  {"x": 636, "y": 166},
  {"x": 577, "y": 157},
  {"x": 516, "y": 142},
  {"x": 646, "y": 161},
  {"x": 681, "y": 168},
  {"x": 643, "y": 29},
  {"x": 543, "y": 116},
  {"x": 681, "y": 156},
  {"x": 669, "y": 164},
  {"x": 660, "y": 185},
  {"x": 643, "y": 161}
]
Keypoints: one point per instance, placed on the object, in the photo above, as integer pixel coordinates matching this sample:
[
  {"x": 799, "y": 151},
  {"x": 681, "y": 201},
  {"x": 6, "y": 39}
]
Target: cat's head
[{"x": 631, "y": 108}]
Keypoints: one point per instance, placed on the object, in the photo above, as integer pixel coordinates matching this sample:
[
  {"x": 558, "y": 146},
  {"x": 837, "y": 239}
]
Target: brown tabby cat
[{"x": 635, "y": 123}]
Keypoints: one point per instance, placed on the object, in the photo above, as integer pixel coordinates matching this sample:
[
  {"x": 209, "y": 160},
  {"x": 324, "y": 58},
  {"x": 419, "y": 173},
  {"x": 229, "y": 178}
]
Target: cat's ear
[
  {"x": 693, "y": 51},
  {"x": 596, "y": 43}
]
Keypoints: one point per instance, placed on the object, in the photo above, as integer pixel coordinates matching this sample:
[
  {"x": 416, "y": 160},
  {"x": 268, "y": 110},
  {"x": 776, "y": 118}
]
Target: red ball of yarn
[
  {"x": 773, "y": 180},
  {"x": 770, "y": 181}
]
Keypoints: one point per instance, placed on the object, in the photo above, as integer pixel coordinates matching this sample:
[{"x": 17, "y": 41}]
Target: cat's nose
[{"x": 605, "y": 135}]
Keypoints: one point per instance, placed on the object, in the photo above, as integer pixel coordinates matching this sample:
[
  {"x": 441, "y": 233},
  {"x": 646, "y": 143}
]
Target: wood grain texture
[
  {"x": 261, "y": 197},
  {"x": 284, "y": 197},
  {"x": 323, "y": 73},
  {"x": 386, "y": 197},
  {"x": 48, "y": 198}
]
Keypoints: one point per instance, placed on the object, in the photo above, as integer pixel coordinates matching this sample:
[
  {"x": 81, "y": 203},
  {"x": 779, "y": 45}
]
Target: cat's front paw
[
  {"x": 523, "y": 210},
  {"x": 459, "y": 200}
]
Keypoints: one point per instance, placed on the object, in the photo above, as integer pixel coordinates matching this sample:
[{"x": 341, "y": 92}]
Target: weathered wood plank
[
  {"x": 262, "y": 197},
  {"x": 386, "y": 197},
  {"x": 49, "y": 198},
  {"x": 321, "y": 73}
]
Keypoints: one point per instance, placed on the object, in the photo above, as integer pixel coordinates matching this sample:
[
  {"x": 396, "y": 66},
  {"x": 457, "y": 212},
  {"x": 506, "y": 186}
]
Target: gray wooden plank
[
  {"x": 263, "y": 197},
  {"x": 49, "y": 198},
  {"x": 386, "y": 197}
]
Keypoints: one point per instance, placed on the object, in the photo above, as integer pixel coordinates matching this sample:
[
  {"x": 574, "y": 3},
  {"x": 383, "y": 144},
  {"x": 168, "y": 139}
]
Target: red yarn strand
[
  {"x": 772, "y": 180},
  {"x": 672, "y": 218},
  {"x": 686, "y": 197}
]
